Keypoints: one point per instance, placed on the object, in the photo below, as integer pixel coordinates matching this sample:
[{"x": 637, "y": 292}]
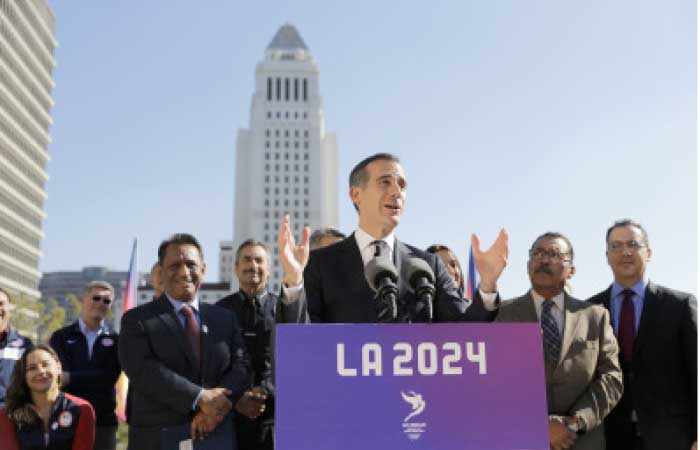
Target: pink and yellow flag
[{"x": 128, "y": 302}]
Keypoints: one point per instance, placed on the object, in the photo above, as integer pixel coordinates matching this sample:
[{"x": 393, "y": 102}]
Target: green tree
[
  {"x": 26, "y": 315},
  {"x": 73, "y": 308},
  {"x": 52, "y": 319}
]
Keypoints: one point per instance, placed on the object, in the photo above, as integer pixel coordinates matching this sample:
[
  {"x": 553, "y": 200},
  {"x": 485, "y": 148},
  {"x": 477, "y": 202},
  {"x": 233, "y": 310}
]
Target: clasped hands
[{"x": 214, "y": 405}]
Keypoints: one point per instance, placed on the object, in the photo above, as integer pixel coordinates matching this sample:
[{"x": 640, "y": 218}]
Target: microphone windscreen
[
  {"x": 379, "y": 268},
  {"x": 414, "y": 268}
]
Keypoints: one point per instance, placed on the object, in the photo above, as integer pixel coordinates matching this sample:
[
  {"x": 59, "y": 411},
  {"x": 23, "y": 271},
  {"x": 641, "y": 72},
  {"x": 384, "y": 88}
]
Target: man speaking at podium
[{"x": 333, "y": 285}]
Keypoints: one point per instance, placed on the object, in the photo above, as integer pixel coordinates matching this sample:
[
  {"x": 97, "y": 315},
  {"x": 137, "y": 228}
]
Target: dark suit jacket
[
  {"x": 164, "y": 378},
  {"x": 586, "y": 380},
  {"x": 661, "y": 381},
  {"x": 336, "y": 290},
  {"x": 91, "y": 378}
]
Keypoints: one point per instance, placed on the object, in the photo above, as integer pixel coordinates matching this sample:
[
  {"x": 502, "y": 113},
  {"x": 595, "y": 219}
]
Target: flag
[
  {"x": 472, "y": 276},
  {"x": 128, "y": 302}
]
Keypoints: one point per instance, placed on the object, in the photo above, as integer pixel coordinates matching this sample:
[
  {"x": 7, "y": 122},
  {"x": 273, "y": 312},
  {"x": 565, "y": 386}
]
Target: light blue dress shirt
[{"x": 616, "y": 298}]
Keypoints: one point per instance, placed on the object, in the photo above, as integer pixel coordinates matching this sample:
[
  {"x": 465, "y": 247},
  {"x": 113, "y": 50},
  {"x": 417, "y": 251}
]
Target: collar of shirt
[
  {"x": 557, "y": 309},
  {"x": 178, "y": 305},
  {"x": 638, "y": 289},
  {"x": 259, "y": 296},
  {"x": 364, "y": 243},
  {"x": 86, "y": 331}
]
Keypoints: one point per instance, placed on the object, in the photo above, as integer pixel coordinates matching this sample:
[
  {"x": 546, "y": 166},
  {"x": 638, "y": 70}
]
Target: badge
[
  {"x": 205, "y": 329},
  {"x": 11, "y": 353},
  {"x": 65, "y": 419},
  {"x": 107, "y": 342},
  {"x": 71, "y": 341},
  {"x": 17, "y": 343},
  {"x": 54, "y": 426}
]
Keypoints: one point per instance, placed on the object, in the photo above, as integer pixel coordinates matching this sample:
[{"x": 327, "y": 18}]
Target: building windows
[
  {"x": 277, "y": 156},
  {"x": 306, "y": 156},
  {"x": 279, "y": 90},
  {"x": 306, "y": 145},
  {"x": 306, "y": 134},
  {"x": 277, "y": 133},
  {"x": 306, "y": 167},
  {"x": 286, "y": 89},
  {"x": 267, "y": 156},
  {"x": 267, "y": 132},
  {"x": 286, "y": 133},
  {"x": 267, "y": 144},
  {"x": 278, "y": 115},
  {"x": 269, "y": 89},
  {"x": 286, "y": 144},
  {"x": 269, "y": 115},
  {"x": 306, "y": 214},
  {"x": 296, "y": 90},
  {"x": 296, "y": 144},
  {"x": 277, "y": 144},
  {"x": 305, "y": 89}
]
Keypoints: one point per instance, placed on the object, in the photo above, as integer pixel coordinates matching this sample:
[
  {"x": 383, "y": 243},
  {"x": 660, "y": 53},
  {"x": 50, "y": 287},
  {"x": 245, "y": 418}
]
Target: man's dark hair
[
  {"x": 321, "y": 233},
  {"x": 178, "y": 239},
  {"x": 251, "y": 243},
  {"x": 627, "y": 223},
  {"x": 437, "y": 248},
  {"x": 555, "y": 235},
  {"x": 358, "y": 175}
]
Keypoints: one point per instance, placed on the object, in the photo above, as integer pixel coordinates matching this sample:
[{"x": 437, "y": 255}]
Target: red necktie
[
  {"x": 191, "y": 329},
  {"x": 626, "y": 328}
]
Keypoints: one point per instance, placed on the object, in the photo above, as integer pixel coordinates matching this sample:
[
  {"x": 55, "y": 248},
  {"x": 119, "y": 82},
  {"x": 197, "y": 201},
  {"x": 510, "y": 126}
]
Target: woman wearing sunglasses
[{"x": 37, "y": 414}]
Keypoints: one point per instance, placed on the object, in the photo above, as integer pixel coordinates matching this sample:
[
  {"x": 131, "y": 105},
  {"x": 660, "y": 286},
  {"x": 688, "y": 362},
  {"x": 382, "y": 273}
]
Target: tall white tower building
[
  {"x": 27, "y": 44},
  {"x": 286, "y": 162}
]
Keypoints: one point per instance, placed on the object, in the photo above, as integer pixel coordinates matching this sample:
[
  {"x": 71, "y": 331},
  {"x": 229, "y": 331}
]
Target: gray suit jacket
[{"x": 587, "y": 380}]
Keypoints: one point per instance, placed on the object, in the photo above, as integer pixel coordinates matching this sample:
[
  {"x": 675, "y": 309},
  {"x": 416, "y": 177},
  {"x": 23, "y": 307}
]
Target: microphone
[
  {"x": 382, "y": 277},
  {"x": 422, "y": 280}
]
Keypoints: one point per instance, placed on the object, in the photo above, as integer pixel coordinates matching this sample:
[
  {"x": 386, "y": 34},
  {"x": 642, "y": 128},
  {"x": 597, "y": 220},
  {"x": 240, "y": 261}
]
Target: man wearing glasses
[
  {"x": 88, "y": 353},
  {"x": 583, "y": 377},
  {"x": 656, "y": 328}
]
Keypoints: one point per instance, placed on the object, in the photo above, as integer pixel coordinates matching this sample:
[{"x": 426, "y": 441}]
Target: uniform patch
[
  {"x": 205, "y": 329},
  {"x": 17, "y": 343},
  {"x": 107, "y": 342},
  {"x": 65, "y": 419},
  {"x": 54, "y": 426}
]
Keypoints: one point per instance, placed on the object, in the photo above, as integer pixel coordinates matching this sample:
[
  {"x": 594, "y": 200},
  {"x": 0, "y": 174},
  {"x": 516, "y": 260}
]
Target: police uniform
[
  {"x": 12, "y": 346},
  {"x": 256, "y": 318},
  {"x": 71, "y": 427},
  {"x": 92, "y": 374}
]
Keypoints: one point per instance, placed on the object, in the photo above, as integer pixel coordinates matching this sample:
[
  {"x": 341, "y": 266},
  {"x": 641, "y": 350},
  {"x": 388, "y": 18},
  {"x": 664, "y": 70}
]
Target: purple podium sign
[{"x": 413, "y": 386}]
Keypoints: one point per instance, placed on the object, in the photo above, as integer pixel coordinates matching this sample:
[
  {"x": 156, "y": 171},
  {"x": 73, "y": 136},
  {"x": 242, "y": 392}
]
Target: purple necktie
[
  {"x": 626, "y": 328},
  {"x": 191, "y": 329}
]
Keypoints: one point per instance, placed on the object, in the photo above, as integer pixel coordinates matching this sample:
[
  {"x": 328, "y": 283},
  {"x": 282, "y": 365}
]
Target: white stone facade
[
  {"x": 27, "y": 43},
  {"x": 286, "y": 161}
]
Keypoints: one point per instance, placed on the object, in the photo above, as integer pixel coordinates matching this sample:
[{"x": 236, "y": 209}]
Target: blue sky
[{"x": 533, "y": 116}]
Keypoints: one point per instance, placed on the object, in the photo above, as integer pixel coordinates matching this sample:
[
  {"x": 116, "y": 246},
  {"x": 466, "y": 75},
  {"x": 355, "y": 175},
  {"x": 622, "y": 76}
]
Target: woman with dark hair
[
  {"x": 37, "y": 414},
  {"x": 451, "y": 263}
]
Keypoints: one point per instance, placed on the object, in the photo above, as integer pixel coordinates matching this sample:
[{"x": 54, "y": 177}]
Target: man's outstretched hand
[
  {"x": 490, "y": 264},
  {"x": 293, "y": 257}
]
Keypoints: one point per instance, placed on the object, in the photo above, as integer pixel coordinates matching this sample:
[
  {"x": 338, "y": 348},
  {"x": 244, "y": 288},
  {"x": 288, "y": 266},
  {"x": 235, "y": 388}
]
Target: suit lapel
[
  {"x": 650, "y": 308},
  {"x": 166, "y": 313},
  {"x": 354, "y": 268},
  {"x": 204, "y": 334},
  {"x": 571, "y": 323}
]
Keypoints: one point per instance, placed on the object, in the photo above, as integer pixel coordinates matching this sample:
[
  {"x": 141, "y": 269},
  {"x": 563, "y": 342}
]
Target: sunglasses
[{"x": 103, "y": 298}]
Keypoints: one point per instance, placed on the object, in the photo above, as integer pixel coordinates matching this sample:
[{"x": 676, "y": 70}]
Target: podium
[{"x": 410, "y": 386}]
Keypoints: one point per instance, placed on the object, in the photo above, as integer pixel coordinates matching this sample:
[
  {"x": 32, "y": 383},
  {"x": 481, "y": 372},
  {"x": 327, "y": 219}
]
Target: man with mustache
[
  {"x": 334, "y": 288},
  {"x": 582, "y": 372},
  {"x": 254, "y": 308},
  {"x": 656, "y": 328}
]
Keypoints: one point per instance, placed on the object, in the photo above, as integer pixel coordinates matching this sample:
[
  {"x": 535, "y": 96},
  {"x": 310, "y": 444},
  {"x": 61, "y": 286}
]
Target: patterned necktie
[
  {"x": 191, "y": 329},
  {"x": 626, "y": 327},
  {"x": 550, "y": 332}
]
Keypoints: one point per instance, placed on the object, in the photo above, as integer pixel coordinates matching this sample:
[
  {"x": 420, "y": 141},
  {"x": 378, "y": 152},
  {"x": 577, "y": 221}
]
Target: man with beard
[
  {"x": 582, "y": 372},
  {"x": 254, "y": 308}
]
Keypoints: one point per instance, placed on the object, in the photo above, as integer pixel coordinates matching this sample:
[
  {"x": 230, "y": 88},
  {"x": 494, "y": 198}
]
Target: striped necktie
[{"x": 550, "y": 332}]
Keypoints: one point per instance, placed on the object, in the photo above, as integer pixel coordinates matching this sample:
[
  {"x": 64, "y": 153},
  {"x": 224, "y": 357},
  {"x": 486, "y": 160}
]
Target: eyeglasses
[
  {"x": 619, "y": 246},
  {"x": 106, "y": 299},
  {"x": 539, "y": 254}
]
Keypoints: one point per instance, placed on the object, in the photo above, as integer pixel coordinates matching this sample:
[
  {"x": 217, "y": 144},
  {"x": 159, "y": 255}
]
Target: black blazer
[
  {"x": 91, "y": 378},
  {"x": 661, "y": 380},
  {"x": 164, "y": 378},
  {"x": 337, "y": 292}
]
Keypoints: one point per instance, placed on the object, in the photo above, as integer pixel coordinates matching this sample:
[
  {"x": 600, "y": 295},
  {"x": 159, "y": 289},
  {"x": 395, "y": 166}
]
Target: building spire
[{"x": 287, "y": 38}]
